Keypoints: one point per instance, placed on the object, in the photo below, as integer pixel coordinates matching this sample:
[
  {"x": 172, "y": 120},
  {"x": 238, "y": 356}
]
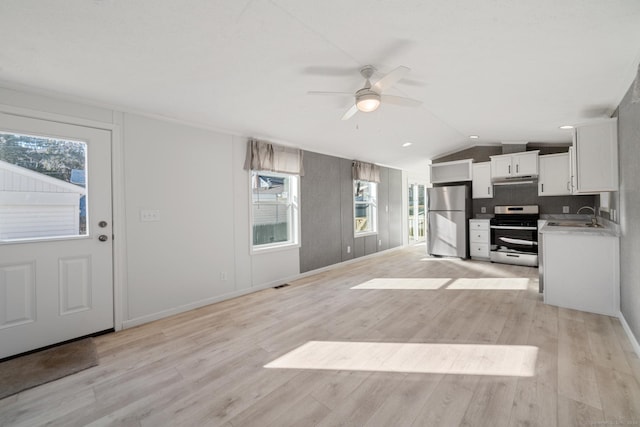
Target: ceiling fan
[{"x": 370, "y": 97}]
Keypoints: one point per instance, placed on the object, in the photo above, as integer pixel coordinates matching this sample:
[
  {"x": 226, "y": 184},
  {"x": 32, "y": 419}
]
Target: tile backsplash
[{"x": 527, "y": 194}]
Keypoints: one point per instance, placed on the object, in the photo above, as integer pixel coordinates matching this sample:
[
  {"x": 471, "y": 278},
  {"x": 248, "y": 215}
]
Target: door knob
[{"x": 103, "y": 238}]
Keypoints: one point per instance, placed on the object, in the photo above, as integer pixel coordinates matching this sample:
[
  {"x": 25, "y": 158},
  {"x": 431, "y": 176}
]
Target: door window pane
[
  {"x": 42, "y": 187},
  {"x": 417, "y": 212},
  {"x": 421, "y": 226}
]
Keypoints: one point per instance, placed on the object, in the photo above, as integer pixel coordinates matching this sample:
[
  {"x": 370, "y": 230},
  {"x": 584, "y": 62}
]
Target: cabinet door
[
  {"x": 482, "y": 188},
  {"x": 554, "y": 178},
  {"x": 501, "y": 166},
  {"x": 596, "y": 158},
  {"x": 525, "y": 163}
]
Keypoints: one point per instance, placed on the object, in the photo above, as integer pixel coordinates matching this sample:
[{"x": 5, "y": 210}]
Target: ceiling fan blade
[
  {"x": 399, "y": 100},
  {"x": 318, "y": 92},
  {"x": 350, "y": 112},
  {"x": 390, "y": 79}
]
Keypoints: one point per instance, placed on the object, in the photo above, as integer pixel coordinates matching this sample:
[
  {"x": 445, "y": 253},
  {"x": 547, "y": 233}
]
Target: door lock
[{"x": 102, "y": 224}]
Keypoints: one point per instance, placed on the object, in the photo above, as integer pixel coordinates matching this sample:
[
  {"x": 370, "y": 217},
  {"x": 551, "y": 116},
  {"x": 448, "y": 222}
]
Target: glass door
[{"x": 417, "y": 213}]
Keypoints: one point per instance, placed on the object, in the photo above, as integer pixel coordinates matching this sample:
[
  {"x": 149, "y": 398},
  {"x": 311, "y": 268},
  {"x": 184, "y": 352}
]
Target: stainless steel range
[{"x": 514, "y": 235}]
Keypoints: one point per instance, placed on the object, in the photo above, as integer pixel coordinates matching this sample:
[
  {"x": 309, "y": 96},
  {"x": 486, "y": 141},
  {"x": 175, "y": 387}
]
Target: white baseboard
[
  {"x": 343, "y": 263},
  {"x": 629, "y": 332},
  {"x": 191, "y": 306},
  {"x": 207, "y": 301}
]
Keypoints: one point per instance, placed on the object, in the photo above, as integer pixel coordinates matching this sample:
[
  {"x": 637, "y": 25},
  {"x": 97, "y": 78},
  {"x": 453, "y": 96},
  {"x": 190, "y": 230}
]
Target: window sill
[
  {"x": 262, "y": 249},
  {"x": 370, "y": 233}
]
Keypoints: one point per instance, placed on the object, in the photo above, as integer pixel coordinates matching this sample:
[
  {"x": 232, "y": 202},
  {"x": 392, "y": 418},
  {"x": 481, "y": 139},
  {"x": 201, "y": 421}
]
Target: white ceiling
[{"x": 502, "y": 69}]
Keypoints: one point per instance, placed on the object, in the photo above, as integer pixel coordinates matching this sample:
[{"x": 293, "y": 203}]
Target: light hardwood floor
[{"x": 206, "y": 367}]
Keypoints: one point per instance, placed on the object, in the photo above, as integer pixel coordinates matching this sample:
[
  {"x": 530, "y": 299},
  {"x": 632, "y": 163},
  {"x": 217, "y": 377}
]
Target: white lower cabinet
[
  {"x": 479, "y": 238},
  {"x": 581, "y": 272}
]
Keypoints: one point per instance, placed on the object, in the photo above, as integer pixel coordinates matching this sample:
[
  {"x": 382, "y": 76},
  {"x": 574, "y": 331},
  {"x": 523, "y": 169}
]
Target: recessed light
[
  {"x": 473, "y": 137},
  {"x": 565, "y": 127},
  {"x": 406, "y": 144}
]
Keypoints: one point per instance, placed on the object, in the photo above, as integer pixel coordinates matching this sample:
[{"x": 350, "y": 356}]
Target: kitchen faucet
[{"x": 593, "y": 218}]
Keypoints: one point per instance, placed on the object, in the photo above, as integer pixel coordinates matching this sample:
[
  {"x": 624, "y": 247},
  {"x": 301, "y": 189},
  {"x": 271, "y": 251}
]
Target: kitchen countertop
[{"x": 607, "y": 228}]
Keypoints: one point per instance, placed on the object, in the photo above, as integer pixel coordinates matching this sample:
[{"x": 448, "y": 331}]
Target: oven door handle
[{"x": 509, "y": 227}]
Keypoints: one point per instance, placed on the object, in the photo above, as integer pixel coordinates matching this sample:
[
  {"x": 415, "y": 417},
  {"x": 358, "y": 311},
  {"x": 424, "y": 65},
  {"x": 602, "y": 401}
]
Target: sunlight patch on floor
[
  {"x": 462, "y": 359},
  {"x": 404, "y": 283},
  {"x": 491, "y": 283}
]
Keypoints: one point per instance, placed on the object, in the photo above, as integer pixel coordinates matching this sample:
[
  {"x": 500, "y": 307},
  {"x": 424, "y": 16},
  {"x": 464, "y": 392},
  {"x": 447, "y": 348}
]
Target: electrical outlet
[
  {"x": 348, "y": 249},
  {"x": 223, "y": 275},
  {"x": 483, "y": 209},
  {"x": 380, "y": 242},
  {"x": 148, "y": 215},
  {"x": 565, "y": 209}
]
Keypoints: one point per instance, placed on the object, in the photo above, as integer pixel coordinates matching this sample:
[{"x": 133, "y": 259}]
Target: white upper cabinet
[
  {"x": 456, "y": 171},
  {"x": 514, "y": 165},
  {"x": 481, "y": 186},
  {"x": 526, "y": 163},
  {"x": 500, "y": 166},
  {"x": 554, "y": 178},
  {"x": 594, "y": 163}
]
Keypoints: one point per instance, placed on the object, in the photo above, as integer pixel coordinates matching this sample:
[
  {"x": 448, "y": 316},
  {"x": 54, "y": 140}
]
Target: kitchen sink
[{"x": 573, "y": 224}]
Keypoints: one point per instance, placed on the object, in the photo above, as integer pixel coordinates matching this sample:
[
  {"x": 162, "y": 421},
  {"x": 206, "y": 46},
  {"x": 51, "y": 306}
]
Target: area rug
[{"x": 41, "y": 367}]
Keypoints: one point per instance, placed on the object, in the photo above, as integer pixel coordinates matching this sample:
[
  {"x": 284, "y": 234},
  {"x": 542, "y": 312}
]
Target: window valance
[
  {"x": 365, "y": 171},
  {"x": 265, "y": 156}
]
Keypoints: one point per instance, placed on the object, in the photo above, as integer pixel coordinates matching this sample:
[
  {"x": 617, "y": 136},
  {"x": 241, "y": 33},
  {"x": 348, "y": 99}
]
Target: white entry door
[{"x": 56, "y": 279}]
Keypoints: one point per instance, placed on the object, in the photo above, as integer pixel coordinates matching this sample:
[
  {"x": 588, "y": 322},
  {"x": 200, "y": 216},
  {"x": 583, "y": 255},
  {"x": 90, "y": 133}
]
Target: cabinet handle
[
  {"x": 568, "y": 186},
  {"x": 542, "y": 191},
  {"x": 489, "y": 190},
  {"x": 517, "y": 168},
  {"x": 509, "y": 169}
]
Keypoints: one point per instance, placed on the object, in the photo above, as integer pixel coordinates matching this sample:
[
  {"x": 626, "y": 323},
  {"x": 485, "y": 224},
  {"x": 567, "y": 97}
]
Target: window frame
[
  {"x": 373, "y": 203},
  {"x": 293, "y": 206}
]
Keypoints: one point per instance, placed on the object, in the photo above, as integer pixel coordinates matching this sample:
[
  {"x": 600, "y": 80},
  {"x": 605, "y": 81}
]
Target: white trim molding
[{"x": 629, "y": 332}]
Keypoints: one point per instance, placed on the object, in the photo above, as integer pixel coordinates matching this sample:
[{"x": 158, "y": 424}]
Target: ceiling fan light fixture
[{"x": 368, "y": 101}]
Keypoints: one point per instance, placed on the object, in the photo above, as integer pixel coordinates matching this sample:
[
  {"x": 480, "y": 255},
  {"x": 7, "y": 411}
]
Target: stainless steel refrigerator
[{"x": 448, "y": 212}]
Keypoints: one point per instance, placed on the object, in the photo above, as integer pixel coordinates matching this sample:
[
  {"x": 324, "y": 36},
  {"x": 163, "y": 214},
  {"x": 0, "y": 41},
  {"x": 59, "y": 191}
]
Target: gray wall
[
  {"x": 527, "y": 194},
  {"x": 320, "y": 212},
  {"x": 395, "y": 208},
  {"x": 520, "y": 194},
  {"x": 326, "y": 213},
  {"x": 629, "y": 211}
]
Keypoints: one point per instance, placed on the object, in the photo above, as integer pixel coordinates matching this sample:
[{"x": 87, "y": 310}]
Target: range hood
[{"x": 514, "y": 181}]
